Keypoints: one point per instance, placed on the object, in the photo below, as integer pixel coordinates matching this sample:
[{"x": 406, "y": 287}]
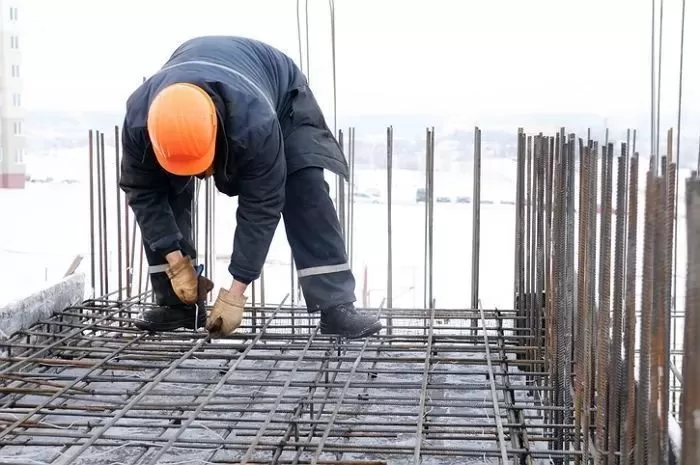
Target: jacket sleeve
[
  {"x": 263, "y": 173},
  {"x": 147, "y": 188}
]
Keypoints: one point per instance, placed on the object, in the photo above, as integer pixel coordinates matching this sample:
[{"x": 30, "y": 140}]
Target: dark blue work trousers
[{"x": 313, "y": 232}]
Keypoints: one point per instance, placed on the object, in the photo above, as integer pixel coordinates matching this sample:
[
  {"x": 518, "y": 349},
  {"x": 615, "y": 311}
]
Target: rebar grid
[{"x": 83, "y": 388}]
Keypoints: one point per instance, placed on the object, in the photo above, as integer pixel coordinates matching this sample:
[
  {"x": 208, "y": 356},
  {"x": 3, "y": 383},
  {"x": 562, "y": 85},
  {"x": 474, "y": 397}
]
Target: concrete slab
[{"x": 23, "y": 313}]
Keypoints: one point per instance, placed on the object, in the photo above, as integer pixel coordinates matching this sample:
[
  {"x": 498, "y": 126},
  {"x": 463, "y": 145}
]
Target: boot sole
[
  {"x": 168, "y": 326},
  {"x": 368, "y": 331}
]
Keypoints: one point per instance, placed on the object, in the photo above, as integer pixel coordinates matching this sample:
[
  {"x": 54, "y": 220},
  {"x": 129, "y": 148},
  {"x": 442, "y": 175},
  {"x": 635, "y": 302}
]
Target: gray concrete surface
[{"x": 22, "y": 314}]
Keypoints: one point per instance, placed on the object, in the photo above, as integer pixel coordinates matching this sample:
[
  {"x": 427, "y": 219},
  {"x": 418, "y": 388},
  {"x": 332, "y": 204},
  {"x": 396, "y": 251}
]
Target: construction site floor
[{"x": 85, "y": 387}]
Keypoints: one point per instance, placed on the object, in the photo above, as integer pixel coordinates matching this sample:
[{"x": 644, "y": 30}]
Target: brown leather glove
[
  {"x": 205, "y": 286},
  {"x": 226, "y": 315},
  {"x": 184, "y": 280}
]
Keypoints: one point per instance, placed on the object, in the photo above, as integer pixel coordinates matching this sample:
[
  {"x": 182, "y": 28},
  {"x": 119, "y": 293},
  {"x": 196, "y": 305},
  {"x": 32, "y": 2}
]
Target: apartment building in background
[{"x": 12, "y": 140}]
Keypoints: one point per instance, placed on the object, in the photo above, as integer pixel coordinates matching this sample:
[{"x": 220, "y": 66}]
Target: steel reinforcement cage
[{"x": 590, "y": 364}]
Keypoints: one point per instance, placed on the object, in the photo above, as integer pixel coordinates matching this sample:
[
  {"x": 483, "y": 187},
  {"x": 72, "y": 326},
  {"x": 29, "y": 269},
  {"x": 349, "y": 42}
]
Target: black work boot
[
  {"x": 346, "y": 321},
  {"x": 164, "y": 318}
]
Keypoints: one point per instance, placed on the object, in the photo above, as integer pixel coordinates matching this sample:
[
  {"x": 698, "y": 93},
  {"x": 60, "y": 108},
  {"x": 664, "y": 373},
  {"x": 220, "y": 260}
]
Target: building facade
[{"x": 12, "y": 139}]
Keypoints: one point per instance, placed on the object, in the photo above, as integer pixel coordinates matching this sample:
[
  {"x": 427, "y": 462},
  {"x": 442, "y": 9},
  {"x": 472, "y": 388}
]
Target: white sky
[{"x": 461, "y": 58}]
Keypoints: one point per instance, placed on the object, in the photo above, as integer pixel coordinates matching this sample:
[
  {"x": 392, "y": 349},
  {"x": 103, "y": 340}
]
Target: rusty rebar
[
  {"x": 616, "y": 371},
  {"x": 690, "y": 404},
  {"x": 629, "y": 389},
  {"x": 644, "y": 393},
  {"x": 603, "y": 321}
]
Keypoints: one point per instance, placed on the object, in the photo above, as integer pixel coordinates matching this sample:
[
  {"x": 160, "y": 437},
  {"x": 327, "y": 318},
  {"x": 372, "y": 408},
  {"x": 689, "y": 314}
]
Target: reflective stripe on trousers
[{"x": 323, "y": 269}]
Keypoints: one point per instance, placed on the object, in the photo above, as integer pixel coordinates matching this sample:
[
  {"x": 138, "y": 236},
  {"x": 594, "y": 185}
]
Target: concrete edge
[{"x": 24, "y": 313}]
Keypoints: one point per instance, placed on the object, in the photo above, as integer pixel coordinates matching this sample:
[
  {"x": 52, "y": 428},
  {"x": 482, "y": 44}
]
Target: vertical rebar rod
[
  {"x": 142, "y": 259},
  {"x": 531, "y": 247},
  {"x": 425, "y": 218},
  {"x": 128, "y": 262},
  {"x": 625, "y": 188},
  {"x": 93, "y": 258},
  {"x": 656, "y": 331},
  {"x": 618, "y": 295},
  {"x": 194, "y": 217},
  {"x": 518, "y": 274},
  {"x": 134, "y": 242},
  {"x": 117, "y": 193},
  {"x": 678, "y": 159},
  {"x": 292, "y": 300},
  {"x": 431, "y": 212},
  {"x": 548, "y": 266},
  {"x": 591, "y": 273},
  {"x": 642, "y": 417},
  {"x": 262, "y": 289},
  {"x": 351, "y": 199},
  {"x": 389, "y": 249},
  {"x": 690, "y": 417},
  {"x": 540, "y": 162},
  {"x": 207, "y": 226},
  {"x": 476, "y": 226},
  {"x": 603, "y": 325},
  {"x": 212, "y": 244},
  {"x": 101, "y": 221},
  {"x": 581, "y": 300},
  {"x": 570, "y": 216},
  {"x": 105, "y": 244},
  {"x": 658, "y": 78},
  {"x": 665, "y": 387},
  {"x": 340, "y": 203},
  {"x": 527, "y": 296},
  {"x": 653, "y": 86},
  {"x": 629, "y": 390},
  {"x": 558, "y": 287}
]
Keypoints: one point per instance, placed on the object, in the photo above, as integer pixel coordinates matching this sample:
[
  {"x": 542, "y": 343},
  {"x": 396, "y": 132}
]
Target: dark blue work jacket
[{"x": 270, "y": 126}]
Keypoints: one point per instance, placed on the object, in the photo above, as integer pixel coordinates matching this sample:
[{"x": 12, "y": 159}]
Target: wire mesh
[{"x": 83, "y": 388}]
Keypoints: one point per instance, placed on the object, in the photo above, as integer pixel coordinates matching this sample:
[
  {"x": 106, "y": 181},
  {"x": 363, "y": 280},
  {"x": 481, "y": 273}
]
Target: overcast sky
[{"x": 456, "y": 58}]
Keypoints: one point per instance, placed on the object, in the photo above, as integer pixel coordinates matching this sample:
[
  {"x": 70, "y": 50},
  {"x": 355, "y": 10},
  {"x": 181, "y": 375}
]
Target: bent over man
[{"x": 241, "y": 111}]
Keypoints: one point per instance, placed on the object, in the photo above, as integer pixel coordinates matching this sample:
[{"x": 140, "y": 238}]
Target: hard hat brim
[{"x": 190, "y": 167}]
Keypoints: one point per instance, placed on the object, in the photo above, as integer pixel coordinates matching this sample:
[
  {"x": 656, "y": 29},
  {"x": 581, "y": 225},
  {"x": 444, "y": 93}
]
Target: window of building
[
  {"x": 13, "y": 13},
  {"x": 19, "y": 156},
  {"x": 14, "y": 42},
  {"x": 18, "y": 128},
  {"x": 17, "y": 100},
  {"x": 15, "y": 71}
]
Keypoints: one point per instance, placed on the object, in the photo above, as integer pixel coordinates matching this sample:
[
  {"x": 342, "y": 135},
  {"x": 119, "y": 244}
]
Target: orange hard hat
[{"x": 182, "y": 128}]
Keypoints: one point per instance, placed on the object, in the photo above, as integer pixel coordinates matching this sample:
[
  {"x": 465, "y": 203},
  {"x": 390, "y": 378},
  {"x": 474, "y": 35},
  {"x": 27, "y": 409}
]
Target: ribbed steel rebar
[
  {"x": 629, "y": 386},
  {"x": 690, "y": 418},
  {"x": 616, "y": 371},
  {"x": 603, "y": 323},
  {"x": 589, "y": 332},
  {"x": 644, "y": 393},
  {"x": 568, "y": 297},
  {"x": 668, "y": 322},
  {"x": 582, "y": 295}
]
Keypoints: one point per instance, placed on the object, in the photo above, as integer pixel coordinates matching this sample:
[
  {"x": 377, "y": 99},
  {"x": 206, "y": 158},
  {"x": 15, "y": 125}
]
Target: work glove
[
  {"x": 226, "y": 315},
  {"x": 184, "y": 280}
]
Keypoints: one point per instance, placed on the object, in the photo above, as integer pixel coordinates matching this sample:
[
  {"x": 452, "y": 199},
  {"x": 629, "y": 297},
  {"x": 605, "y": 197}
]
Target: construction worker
[{"x": 241, "y": 111}]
